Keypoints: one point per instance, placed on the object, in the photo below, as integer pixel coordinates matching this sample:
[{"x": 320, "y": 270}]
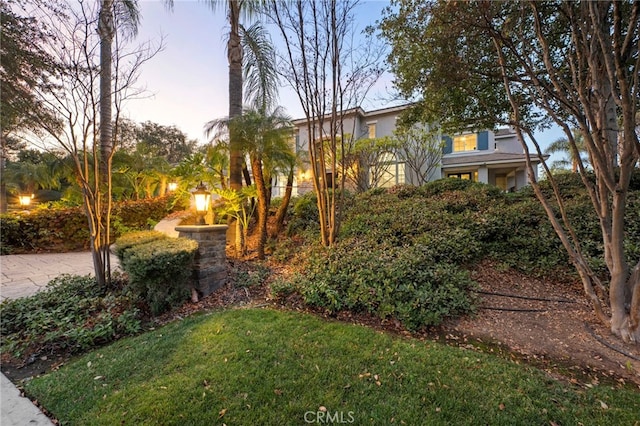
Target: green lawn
[{"x": 267, "y": 367}]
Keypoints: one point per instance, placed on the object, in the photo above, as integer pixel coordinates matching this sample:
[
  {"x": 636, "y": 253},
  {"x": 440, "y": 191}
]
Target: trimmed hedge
[
  {"x": 132, "y": 239},
  {"x": 61, "y": 230},
  {"x": 159, "y": 267}
]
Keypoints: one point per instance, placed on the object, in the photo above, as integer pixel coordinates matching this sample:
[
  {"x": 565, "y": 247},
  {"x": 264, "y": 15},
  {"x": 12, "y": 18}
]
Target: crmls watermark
[{"x": 327, "y": 417}]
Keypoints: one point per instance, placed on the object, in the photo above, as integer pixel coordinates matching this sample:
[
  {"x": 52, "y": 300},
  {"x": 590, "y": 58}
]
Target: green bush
[
  {"x": 444, "y": 185},
  {"x": 304, "y": 215},
  {"x": 249, "y": 275},
  {"x": 125, "y": 242},
  {"x": 72, "y": 314},
  {"x": 391, "y": 282},
  {"x": 159, "y": 270}
]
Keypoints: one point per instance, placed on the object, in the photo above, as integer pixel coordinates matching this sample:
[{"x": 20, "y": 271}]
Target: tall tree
[
  {"x": 526, "y": 64},
  {"x": 265, "y": 138},
  {"x": 331, "y": 69},
  {"x": 25, "y": 68},
  {"x": 236, "y": 10},
  {"x": 79, "y": 104},
  {"x": 124, "y": 15}
]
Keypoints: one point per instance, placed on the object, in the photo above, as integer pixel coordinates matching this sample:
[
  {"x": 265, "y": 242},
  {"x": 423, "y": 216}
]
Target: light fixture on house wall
[
  {"x": 202, "y": 198},
  {"x": 173, "y": 186}
]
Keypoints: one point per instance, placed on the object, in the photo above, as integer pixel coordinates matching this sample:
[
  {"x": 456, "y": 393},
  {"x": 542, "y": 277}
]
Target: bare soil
[
  {"x": 549, "y": 324},
  {"x": 527, "y": 320}
]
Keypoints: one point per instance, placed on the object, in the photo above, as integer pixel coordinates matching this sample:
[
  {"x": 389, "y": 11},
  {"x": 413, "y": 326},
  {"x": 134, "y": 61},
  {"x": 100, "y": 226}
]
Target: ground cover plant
[
  {"x": 73, "y": 314},
  {"x": 263, "y": 366},
  {"x": 403, "y": 252}
]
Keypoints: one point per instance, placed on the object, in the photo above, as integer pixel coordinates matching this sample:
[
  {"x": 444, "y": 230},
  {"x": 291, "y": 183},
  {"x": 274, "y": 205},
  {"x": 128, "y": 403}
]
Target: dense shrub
[
  {"x": 444, "y": 185},
  {"x": 73, "y": 314},
  {"x": 392, "y": 282},
  {"x": 304, "y": 214},
  {"x": 66, "y": 229},
  {"x": 400, "y": 250},
  {"x": 159, "y": 268},
  {"x": 125, "y": 242}
]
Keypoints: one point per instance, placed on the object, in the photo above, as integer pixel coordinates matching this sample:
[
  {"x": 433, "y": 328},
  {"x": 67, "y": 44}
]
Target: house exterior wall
[
  {"x": 498, "y": 158},
  {"x": 507, "y": 144}
]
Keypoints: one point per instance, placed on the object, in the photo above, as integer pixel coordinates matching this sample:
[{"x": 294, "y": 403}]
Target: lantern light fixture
[
  {"x": 173, "y": 186},
  {"x": 202, "y": 198}
]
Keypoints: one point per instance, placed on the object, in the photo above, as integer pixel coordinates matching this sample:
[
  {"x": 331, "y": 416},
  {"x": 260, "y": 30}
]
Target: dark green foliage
[
  {"x": 404, "y": 283},
  {"x": 304, "y": 215},
  {"x": 159, "y": 268},
  {"x": 400, "y": 250},
  {"x": 632, "y": 222},
  {"x": 45, "y": 230},
  {"x": 445, "y": 185},
  {"x": 249, "y": 275},
  {"x": 520, "y": 235},
  {"x": 125, "y": 242},
  {"x": 73, "y": 314},
  {"x": 66, "y": 229}
]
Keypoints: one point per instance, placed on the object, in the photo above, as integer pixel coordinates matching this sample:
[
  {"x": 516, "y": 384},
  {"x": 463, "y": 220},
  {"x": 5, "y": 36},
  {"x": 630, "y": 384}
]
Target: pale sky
[{"x": 187, "y": 82}]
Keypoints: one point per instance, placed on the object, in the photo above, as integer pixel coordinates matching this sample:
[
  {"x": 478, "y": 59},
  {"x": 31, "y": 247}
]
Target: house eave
[{"x": 488, "y": 162}]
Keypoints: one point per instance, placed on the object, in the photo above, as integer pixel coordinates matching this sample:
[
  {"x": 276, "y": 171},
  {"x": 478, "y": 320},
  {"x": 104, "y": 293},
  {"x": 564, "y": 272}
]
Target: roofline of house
[
  {"x": 534, "y": 159},
  {"x": 361, "y": 111}
]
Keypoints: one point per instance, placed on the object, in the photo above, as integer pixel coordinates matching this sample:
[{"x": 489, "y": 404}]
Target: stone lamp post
[{"x": 209, "y": 268}]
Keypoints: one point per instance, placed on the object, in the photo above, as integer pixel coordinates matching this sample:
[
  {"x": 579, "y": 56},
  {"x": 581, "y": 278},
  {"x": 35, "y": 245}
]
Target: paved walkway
[{"x": 22, "y": 275}]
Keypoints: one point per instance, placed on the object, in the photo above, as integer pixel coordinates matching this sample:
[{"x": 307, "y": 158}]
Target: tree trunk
[
  {"x": 106, "y": 31},
  {"x": 284, "y": 207},
  {"x": 234, "y": 55},
  {"x": 263, "y": 207},
  {"x": 246, "y": 174},
  {"x": 3, "y": 185},
  {"x": 102, "y": 206}
]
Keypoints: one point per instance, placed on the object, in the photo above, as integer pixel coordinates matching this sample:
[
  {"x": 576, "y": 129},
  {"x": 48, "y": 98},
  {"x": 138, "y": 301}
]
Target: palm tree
[
  {"x": 122, "y": 14},
  {"x": 236, "y": 10},
  {"x": 265, "y": 138},
  {"x": 563, "y": 145}
]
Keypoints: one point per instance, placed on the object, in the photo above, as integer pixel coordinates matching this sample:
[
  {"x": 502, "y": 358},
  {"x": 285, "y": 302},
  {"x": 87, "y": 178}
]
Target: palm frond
[
  {"x": 259, "y": 72},
  {"x": 127, "y": 16}
]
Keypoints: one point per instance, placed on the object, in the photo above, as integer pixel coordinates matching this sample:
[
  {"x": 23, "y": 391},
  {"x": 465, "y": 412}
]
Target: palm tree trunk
[
  {"x": 263, "y": 208},
  {"x": 284, "y": 207},
  {"x": 103, "y": 181},
  {"x": 234, "y": 55}
]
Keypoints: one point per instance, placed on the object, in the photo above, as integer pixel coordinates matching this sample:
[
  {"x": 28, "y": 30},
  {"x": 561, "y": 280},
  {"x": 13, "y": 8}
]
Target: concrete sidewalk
[{"x": 22, "y": 275}]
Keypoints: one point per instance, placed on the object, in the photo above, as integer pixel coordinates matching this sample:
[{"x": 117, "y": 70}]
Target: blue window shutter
[
  {"x": 483, "y": 141},
  {"x": 448, "y": 145}
]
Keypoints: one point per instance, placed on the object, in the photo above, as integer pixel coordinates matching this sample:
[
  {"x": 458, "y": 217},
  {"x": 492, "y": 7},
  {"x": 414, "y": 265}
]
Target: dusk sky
[{"x": 187, "y": 83}]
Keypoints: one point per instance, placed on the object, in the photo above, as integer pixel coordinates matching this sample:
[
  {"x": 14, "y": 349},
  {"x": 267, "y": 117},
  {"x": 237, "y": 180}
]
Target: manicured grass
[{"x": 267, "y": 367}]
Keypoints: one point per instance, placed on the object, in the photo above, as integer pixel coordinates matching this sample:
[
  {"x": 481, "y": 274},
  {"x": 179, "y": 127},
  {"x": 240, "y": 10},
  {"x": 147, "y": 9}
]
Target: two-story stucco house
[{"x": 495, "y": 158}]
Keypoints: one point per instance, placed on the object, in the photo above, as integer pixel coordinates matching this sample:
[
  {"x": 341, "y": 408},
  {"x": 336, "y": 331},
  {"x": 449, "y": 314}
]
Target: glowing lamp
[
  {"x": 173, "y": 186},
  {"x": 202, "y": 198},
  {"x": 25, "y": 200}
]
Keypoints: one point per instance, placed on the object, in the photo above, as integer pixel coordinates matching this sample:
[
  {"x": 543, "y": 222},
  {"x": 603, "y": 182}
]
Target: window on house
[
  {"x": 391, "y": 172},
  {"x": 372, "y": 130},
  {"x": 464, "y": 176},
  {"x": 465, "y": 142}
]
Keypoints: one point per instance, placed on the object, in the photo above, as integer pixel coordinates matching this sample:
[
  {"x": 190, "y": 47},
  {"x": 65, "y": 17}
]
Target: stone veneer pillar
[{"x": 209, "y": 269}]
